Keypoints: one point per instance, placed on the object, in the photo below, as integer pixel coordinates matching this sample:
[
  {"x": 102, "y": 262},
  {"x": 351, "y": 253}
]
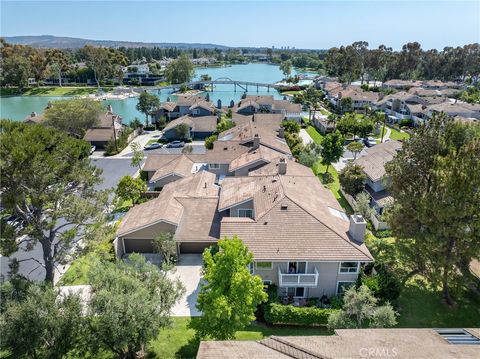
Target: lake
[{"x": 19, "y": 107}]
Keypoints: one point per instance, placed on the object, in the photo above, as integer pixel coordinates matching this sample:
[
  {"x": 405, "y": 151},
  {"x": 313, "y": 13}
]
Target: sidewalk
[{"x": 306, "y": 138}]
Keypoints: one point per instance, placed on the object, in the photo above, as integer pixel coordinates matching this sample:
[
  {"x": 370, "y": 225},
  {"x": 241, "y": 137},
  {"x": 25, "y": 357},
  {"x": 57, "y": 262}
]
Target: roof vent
[
  {"x": 284, "y": 207},
  {"x": 225, "y": 148},
  {"x": 264, "y": 188}
]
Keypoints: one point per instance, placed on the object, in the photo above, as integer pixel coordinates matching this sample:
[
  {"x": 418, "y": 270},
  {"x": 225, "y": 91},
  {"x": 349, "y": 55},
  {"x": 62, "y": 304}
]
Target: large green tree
[
  {"x": 130, "y": 188},
  {"x": 15, "y": 71},
  {"x": 57, "y": 63},
  {"x": 74, "y": 116},
  {"x": 131, "y": 302},
  {"x": 48, "y": 182},
  {"x": 435, "y": 180},
  {"x": 147, "y": 103},
  {"x": 180, "y": 70},
  {"x": 352, "y": 179},
  {"x": 43, "y": 324},
  {"x": 99, "y": 60},
  {"x": 231, "y": 294},
  {"x": 332, "y": 149}
]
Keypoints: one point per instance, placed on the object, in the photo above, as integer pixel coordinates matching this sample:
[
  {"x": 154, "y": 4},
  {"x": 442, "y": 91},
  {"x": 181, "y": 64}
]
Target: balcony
[{"x": 298, "y": 279}]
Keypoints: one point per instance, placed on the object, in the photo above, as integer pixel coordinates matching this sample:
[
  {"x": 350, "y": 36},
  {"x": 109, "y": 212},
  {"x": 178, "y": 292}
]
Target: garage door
[
  {"x": 193, "y": 247},
  {"x": 138, "y": 246}
]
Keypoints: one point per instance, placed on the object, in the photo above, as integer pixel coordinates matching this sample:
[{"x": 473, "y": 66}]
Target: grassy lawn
[
  {"x": 397, "y": 135},
  {"x": 314, "y": 134},
  {"x": 52, "y": 91},
  {"x": 291, "y": 93},
  {"x": 420, "y": 306},
  {"x": 179, "y": 341}
]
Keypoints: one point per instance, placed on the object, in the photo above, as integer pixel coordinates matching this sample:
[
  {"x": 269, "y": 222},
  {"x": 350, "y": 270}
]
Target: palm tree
[{"x": 332, "y": 119}]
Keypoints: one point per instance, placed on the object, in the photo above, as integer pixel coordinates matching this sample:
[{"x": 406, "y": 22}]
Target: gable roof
[
  {"x": 373, "y": 162},
  {"x": 166, "y": 207},
  {"x": 180, "y": 166},
  {"x": 293, "y": 168},
  {"x": 294, "y": 218},
  {"x": 198, "y": 124},
  {"x": 262, "y": 153}
]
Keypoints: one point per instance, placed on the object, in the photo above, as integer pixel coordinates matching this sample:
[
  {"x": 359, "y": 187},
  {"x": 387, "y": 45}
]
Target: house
[
  {"x": 373, "y": 164},
  {"x": 108, "y": 128},
  {"x": 187, "y": 208},
  {"x": 360, "y": 98},
  {"x": 397, "y": 84},
  {"x": 300, "y": 237},
  {"x": 185, "y": 105},
  {"x": 198, "y": 127},
  {"x": 267, "y": 104},
  {"x": 454, "y": 109},
  {"x": 400, "y": 343}
]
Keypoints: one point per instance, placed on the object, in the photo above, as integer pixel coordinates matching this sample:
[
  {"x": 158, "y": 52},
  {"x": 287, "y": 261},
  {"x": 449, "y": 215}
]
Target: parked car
[
  {"x": 92, "y": 149},
  {"x": 369, "y": 141},
  {"x": 176, "y": 144},
  {"x": 152, "y": 146}
]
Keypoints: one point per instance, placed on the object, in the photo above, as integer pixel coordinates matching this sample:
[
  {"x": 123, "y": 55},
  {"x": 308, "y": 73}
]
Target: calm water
[{"x": 18, "y": 107}]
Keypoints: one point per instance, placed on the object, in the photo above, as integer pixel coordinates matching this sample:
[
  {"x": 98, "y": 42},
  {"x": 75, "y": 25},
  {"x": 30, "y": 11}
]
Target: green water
[{"x": 19, "y": 107}]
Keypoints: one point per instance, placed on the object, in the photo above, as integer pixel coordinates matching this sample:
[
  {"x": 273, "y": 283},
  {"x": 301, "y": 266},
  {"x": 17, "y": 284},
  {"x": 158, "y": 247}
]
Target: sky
[{"x": 303, "y": 24}]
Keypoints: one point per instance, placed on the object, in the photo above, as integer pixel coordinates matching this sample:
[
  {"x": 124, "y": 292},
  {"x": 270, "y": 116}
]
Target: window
[
  {"x": 458, "y": 336},
  {"x": 263, "y": 265},
  {"x": 242, "y": 212},
  {"x": 267, "y": 282},
  {"x": 343, "y": 286},
  {"x": 349, "y": 267},
  {"x": 297, "y": 267},
  {"x": 214, "y": 166},
  {"x": 296, "y": 292},
  {"x": 250, "y": 268}
]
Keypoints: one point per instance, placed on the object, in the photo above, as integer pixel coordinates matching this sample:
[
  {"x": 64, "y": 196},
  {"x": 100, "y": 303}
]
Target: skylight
[
  {"x": 338, "y": 213},
  {"x": 458, "y": 336}
]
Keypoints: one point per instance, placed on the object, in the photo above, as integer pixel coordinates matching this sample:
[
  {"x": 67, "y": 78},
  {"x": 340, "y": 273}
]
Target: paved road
[{"x": 114, "y": 169}]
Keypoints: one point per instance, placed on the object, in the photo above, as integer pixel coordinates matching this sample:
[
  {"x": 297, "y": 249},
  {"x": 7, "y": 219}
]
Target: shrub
[
  {"x": 406, "y": 122},
  {"x": 291, "y": 126},
  {"x": 385, "y": 233},
  {"x": 209, "y": 141},
  {"x": 336, "y": 302},
  {"x": 277, "y": 313},
  {"x": 149, "y": 128},
  {"x": 389, "y": 284}
]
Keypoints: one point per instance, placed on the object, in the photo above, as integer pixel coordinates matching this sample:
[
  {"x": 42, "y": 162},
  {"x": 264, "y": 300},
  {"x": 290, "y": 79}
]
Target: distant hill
[{"x": 49, "y": 41}]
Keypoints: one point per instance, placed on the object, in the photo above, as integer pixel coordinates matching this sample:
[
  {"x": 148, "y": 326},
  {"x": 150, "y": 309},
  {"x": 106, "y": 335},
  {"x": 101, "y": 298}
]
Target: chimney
[
  {"x": 282, "y": 167},
  {"x": 109, "y": 108},
  {"x": 219, "y": 104},
  {"x": 256, "y": 142},
  {"x": 281, "y": 132},
  {"x": 357, "y": 228},
  {"x": 33, "y": 114},
  {"x": 232, "y": 103}
]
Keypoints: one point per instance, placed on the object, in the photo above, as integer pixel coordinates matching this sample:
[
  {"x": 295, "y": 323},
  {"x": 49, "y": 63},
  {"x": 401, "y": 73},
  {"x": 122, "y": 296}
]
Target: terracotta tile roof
[
  {"x": 294, "y": 218},
  {"x": 262, "y": 153},
  {"x": 166, "y": 207},
  {"x": 198, "y": 124},
  {"x": 373, "y": 162},
  {"x": 400, "y": 343},
  {"x": 181, "y": 166},
  {"x": 200, "y": 220},
  {"x": 293, "y": 168},
  {"x": 99, "y": 134}
]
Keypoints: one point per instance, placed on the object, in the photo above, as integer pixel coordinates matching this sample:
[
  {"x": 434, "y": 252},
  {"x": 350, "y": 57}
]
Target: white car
[{"x": 369, "y": 141}]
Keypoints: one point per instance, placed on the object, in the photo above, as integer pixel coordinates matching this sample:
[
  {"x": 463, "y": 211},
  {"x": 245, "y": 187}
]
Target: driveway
[{"x": 188, "y": 270}]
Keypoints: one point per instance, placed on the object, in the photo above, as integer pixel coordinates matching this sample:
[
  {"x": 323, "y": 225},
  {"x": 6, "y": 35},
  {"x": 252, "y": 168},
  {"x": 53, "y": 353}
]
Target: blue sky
[{"x": 309, "y": 24}]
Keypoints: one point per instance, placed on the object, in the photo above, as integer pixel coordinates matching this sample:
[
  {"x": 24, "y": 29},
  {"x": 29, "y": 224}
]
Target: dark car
[
  {"x": 369, "y": 142},
  {"x": 176, "y": 144},
  {"x": 152, "y": 146}
]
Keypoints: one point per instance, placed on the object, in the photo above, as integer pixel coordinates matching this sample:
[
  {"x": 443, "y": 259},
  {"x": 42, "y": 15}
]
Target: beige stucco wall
[{"x": 328, "y": 276}]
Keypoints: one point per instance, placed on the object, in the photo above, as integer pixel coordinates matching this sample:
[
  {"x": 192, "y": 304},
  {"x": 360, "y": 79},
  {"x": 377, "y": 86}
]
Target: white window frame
[
  {"x": 257, "y": 268},
  {"x": 296, "y": 266},
  {"x": 342, "y": 281},
  {"x": 214, "y": 166},
  {"x": 356, "y": 269},
  {"x": 245, "y": 209},
  {"x": 295, "y": 289}
]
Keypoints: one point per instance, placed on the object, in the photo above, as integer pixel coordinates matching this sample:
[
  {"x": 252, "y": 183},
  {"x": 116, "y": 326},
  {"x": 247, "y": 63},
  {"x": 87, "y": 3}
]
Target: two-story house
[{"x": 185, "y": 105}]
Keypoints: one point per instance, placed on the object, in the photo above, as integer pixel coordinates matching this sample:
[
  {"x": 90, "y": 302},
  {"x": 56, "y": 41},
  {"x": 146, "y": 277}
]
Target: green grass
[
  {"x": 314, "y": 134},
  {"x": 334, "y": 185},
  {"x": 422, "y": 307},
  {"x": 291, "y": 93},
  {"x": 397, "y": 135},
  {"x": 52, "y": 91},
  {"x": 179, "y": 341}
]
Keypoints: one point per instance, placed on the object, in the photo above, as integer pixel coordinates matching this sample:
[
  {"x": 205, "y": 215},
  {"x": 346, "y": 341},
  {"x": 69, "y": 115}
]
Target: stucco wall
[
  {"x": 151, "y": 231},
  {"x": 246, "y": 205}
]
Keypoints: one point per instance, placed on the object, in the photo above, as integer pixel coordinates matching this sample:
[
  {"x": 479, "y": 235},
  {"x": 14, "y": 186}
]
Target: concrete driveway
[{"x": 188, "y": 270}]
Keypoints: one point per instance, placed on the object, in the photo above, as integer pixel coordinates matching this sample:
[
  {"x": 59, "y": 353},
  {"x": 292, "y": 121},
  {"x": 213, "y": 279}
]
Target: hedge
[{"x": 288, "y": 314}]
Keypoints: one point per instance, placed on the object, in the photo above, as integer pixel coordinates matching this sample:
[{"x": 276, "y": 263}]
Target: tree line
[{"x": 357, "y": 61}]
